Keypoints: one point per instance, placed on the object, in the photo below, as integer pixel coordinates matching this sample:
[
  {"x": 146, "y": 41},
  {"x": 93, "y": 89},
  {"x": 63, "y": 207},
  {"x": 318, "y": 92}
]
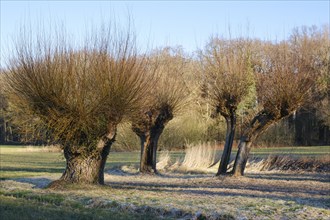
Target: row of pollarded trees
[
  {"x": 284, "y": 76},
  {"x": 80, "y": 95}
]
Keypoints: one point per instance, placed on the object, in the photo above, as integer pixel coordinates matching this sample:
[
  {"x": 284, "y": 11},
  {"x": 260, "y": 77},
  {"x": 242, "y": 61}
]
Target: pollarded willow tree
[
  {"x": 289, "y": 75},
  {"x": 79, "y": 94},
  {"x": 227, "y": 81},
  {"x": 161, "y": 103}
]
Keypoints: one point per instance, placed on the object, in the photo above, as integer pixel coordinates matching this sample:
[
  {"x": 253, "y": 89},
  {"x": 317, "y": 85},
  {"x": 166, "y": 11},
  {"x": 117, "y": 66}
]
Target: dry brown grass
[
  {"x": 287, "y": 162},
  {"x": 205, "y": 157},
  {"x": 164, "y": 160},
  {"x": 201, "y": 156}
]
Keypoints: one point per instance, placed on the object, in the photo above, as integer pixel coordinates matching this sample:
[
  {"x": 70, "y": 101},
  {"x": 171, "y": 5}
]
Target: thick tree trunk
[
  {"x": 142, "y": 141},
  {"x": 149, "y": 130},
  {"x": 149, "y": 152},
  {"x": 84, "y": 166},
  {"x": 230, "y": 134},
  {"x": 83, "y": 169},
  {"x": 155, "y": 148},
  {"x": 260, "y": 123},
  {"x": 242, "y": 157},
  {"x": 146, "y": 165}
]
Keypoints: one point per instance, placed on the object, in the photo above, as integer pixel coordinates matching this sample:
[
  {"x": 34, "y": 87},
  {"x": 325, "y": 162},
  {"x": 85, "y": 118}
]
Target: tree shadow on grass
[
  {"x": 35, "y": 181},
  {"x": 302, "y": 200},
  {"x": 318, "y": 177},
  {"x": 34, "y": 170},
  {"x": 119, "y": 171},
  {"x": 258, "y": 185},
  {"x": 252, "y": 186}
]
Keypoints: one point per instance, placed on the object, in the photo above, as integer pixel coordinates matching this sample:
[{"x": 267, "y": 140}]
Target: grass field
[
  {"x": 128, "y": 195},
  {"x": 20, "y": 161}
]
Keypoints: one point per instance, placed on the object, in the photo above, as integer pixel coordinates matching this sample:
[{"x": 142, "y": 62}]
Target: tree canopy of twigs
[
  {"x": 291, "y": 74},
  {"x": 227, "y": 78},
  {"x": 78, "y": 93},
  {"x": 227, "y": 73},
  {"x": 166, "y": 98}
]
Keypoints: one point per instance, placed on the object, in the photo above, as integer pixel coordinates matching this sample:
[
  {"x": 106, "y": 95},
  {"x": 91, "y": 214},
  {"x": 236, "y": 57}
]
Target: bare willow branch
[
  {"x": 228, "y": 73},
  {"x": 79, "y": 93}
]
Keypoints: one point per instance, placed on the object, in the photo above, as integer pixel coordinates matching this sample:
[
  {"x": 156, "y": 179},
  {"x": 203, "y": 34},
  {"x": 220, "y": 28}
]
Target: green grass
[
  {"x": 17, "y": 162},
  {"x": 295, "y": 151},
  {"x": 19, "y": 200},
  {"x": 28, "y": 205}
]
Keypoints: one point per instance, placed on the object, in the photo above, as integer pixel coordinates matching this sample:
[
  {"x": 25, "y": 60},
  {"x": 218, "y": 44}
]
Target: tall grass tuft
[
  {"x": 312, "y": 164},
  {"x": 164, "y": 161},
  {"x": 201, "y": 156}
]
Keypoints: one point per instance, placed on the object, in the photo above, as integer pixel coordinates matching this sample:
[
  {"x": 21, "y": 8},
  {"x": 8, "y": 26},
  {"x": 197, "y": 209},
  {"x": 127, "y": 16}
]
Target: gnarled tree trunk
[
  {"x": 84, "y": 166},
  {"x": 146, "y": 154},
  {"x": 149, "y": 143},
  {"x": 230, "y": 134},
  {"x": 149, "y": 130},
  {"x": 242, "y": 156},
  {"x": 258, "y": 125},
  {"x": 157, "y": 134}
]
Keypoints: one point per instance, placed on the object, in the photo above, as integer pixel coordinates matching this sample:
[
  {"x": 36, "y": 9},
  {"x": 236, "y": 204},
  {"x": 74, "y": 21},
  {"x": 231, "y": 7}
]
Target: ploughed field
[{"x": 177, "y": 193}]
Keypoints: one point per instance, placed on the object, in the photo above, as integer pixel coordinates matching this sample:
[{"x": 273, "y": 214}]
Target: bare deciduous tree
[
  {"x": 228, "y": 79},
  {"x": 288, "y": 76},
  {"x": 79, "y": 95},
  {"x": 166, "y": 97}
]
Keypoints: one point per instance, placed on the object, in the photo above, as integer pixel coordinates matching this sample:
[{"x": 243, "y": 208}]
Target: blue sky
[{"x": 171, "y": 23}]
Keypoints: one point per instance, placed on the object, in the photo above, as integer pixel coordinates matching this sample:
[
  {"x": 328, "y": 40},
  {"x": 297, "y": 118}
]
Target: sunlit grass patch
[
  {"x": 20, "y": 174},
  {"x": 12, "y": 207},
  {"x": 294, "y": 150}
]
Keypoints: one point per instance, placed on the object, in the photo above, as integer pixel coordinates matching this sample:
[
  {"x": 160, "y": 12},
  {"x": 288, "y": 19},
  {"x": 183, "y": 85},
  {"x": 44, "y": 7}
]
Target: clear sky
[{"x": 171, "y": 23}]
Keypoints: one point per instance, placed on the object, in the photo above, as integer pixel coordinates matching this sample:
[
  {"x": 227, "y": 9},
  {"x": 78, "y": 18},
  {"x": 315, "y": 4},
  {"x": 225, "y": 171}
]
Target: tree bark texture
[
  {"x": 149, "y": 151},
  {"x": 149, "y": 129},
  {"x": 242, "y": 157},
  {"x": 258, "y": 125},
  {"x": 230, "y": 134},
  {"x": 86, "y": 167},
  {"x": 146, "y": 155}
]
